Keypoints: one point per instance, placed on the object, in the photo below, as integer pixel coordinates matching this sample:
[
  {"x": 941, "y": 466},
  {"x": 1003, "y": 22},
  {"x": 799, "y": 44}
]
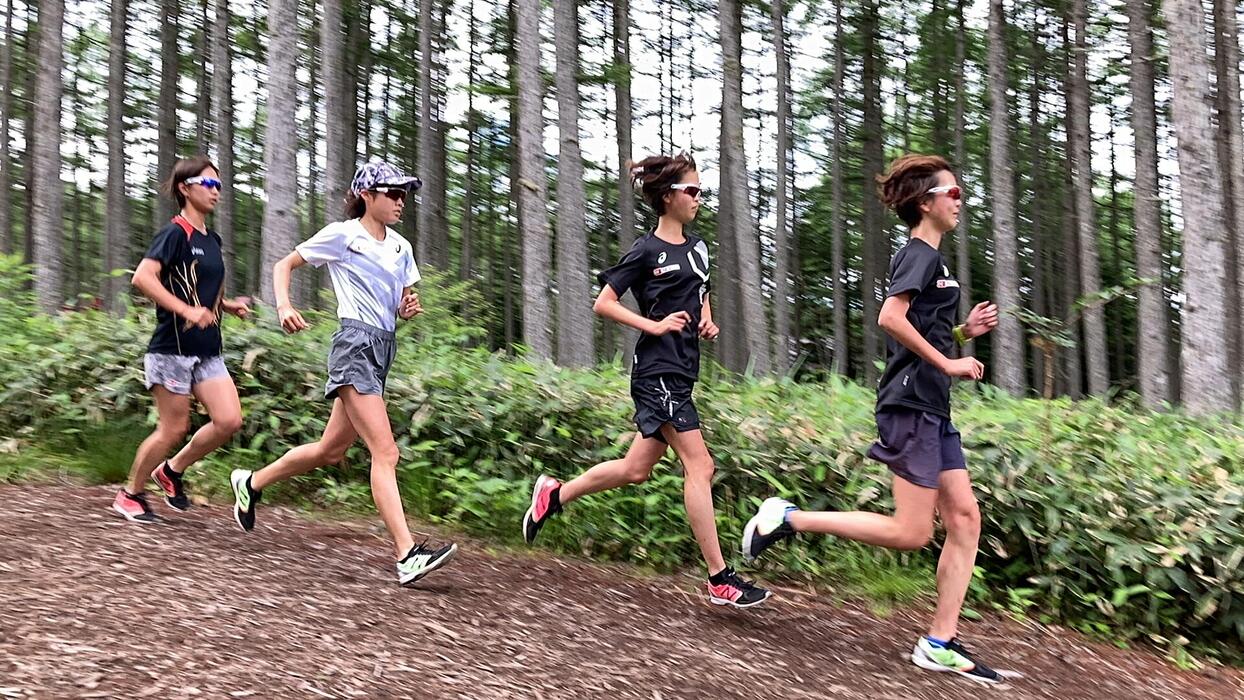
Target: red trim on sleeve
[{"x": 185, "y": 225}]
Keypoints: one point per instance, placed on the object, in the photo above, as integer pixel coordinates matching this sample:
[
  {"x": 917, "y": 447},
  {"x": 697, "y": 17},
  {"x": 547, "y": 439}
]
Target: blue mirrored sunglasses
[{"x": 208, "y": 182}]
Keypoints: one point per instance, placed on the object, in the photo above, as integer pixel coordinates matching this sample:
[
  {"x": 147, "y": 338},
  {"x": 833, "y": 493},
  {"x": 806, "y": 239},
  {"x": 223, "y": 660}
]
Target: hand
[
  {"x": 981, "y": 319},
  {"x": 290, "y": 319},
  {"x": 239, "y": 306},
  {"x": 708, "y": 329},
  {"x": 199, "y": 317},
  {"x": 965, "y": 368},
  {"x": 675, "y": 322},
  {"x": 410, "y": 306}
]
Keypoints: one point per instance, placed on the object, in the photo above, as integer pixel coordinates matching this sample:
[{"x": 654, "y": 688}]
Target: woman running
[
  {"x": 667, "y": 271},
  {"x": 183, "y": 272},
  {"x": 373, "y": 272},
  {"x": 916, "y": 438}
]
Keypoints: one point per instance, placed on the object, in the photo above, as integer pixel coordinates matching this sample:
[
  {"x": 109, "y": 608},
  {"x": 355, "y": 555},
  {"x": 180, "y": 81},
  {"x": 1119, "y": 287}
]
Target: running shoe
[
  {"x": 169, "y": 482},
  {"x": 245, "y": 499},
  {"x": 952, "y": 658},
  {"x": 134, "y": 508},
  {"x": 767, "y": 527},
  {"x": 421, "y": 561},
  {"x": 736, "y": 591},
  {"x": 544, "y": 505}
]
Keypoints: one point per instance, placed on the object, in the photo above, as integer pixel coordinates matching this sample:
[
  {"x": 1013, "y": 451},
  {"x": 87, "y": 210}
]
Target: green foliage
[{"x": 1110, "y": 518}]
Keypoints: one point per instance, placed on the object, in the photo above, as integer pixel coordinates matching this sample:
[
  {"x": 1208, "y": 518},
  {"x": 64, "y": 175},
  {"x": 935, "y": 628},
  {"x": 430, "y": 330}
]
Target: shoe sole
[
  {"x": 930, "y": 665},
  {"x": 432, "y": 566},
  {"x": 742, "y": 606},
  {"x": 127, "y": 516},
  {"x": 237, "y": 506},
  {"x": 749, "y": 532},
  {"x": 182, "y": 507},
  {"x": 527, "y": 518}
]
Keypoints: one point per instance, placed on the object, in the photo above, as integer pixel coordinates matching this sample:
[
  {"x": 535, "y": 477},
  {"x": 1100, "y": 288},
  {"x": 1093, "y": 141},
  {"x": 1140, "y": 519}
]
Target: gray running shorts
[
  {"x": 180, "y": 373},
  {"x": 361, "y": 356}
]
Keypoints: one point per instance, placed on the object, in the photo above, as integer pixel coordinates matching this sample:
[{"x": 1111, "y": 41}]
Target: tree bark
[
  {"x": 6, "y": 113},
  {"x": 1153, "y": 359},
  {"x": 784, "y": 351},
  {"x": 532, "y": 197},
  {"x": 280, "y": 218},
  {"x": 963, "y": 233},
  {"x": 166, "y": 125},
  {"x": 222, "y": 120},
  {"x": 1008, "y": 341},
  {"x": 841, "y": 360},
  {"x": 1231, "y": 153},
  {"x": 116, "y": 225},
  {"x": 1203, "y": 357},
  {"x": 575, "y": 335},
  {"x": 47, "y": 225},
  {"x": 875, "y": 248}
]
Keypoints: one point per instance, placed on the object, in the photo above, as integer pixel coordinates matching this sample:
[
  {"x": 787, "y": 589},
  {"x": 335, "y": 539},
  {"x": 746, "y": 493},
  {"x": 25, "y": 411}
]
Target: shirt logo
[
  {"x": 942, "y": 284},
  {"x": 945, "y": 271},
  {"x": 197, "y": 251},
  {"x": 661, "y": 258},
  {"x": 668, "y": 268}
]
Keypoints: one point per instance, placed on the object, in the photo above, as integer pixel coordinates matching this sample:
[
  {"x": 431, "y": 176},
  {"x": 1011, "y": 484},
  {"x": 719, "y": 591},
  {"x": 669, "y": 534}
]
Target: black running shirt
[
  {"x": 193, "y": 269},
  {"x": 909, "y": 382},
  {"x": 665, "y": 278}
]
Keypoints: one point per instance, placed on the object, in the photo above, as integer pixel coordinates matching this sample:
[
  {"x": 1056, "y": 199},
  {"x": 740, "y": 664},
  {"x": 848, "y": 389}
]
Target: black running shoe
[
  {"x": 421, "y": 561},
  {"x": 737, "y": 591},
  {"x": 952, "y": 658},
  {"x": 544, "y": 505},
  {"x": 244, "y": 499},
  {"x": 767, "y": 527},
  {"x": 170, "y": 483}
]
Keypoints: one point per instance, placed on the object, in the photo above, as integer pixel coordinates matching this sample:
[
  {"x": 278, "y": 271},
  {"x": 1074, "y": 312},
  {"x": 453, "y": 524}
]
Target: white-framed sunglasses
[
  {"x": 951, "y": 191},
  {"x": 693, "y": 191}
]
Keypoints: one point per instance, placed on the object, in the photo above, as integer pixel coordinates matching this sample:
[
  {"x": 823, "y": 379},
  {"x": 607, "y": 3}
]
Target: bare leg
[
  {"x": 173, "y": 422},
  {"x": 331, "y": 448},
  {"x": 698, "y": 492},
  {"x": 634, "y": 468},
  {"x": 910, "y": 527},
  {"x": 220, "y": 397},
  {"x": 370, "y": 418},
  {"x": 956, "y": 503}
]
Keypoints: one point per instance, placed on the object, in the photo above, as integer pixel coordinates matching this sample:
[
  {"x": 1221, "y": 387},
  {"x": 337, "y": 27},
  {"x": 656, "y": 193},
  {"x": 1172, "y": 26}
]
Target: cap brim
[{"x": 410, "y": 183}]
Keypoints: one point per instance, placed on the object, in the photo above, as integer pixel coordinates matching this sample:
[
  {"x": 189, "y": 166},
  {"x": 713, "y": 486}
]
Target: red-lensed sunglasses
[
  {"x": 951, "y": 191},
  {"x": 692, "y": 191}
]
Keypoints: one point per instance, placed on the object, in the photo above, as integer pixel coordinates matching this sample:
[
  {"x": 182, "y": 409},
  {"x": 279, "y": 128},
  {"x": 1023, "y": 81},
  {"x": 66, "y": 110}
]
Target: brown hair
[
  {"x": 183, "y": 170},
  {"x": 356, "y": 206},
  {"x": 906, "y": 184},
  {"x": 653, "y": 176}
]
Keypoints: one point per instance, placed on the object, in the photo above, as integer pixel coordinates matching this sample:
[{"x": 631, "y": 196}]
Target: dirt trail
[{"x": 96, "y": 607}]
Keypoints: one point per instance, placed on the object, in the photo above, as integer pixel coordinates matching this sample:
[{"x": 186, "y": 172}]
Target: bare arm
[
  {"x": 893, "y": 320},
  {"x": 147, "y": 280},
  {"x": 708, "y": 329},
  {"x": 608, "y": 306},
  {"x": 289, "y": 317}
]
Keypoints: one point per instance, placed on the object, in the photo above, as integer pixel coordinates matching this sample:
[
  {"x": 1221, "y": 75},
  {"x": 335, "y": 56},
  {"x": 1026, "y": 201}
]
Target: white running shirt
[{"x": 368, "y": 275}]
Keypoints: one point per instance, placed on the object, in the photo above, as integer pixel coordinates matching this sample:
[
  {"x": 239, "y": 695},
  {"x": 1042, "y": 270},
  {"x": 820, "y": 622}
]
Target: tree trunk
[
  {"x": 1203, "y": 358},
  {"x": 532, "y": 198},
  {"x": 785, "y": 348},
  {"x": 47, "y": 225},
  {"x": 203, "y": 45},
  {"x": 1038, "y": 144},
  {"x": 1008, "y": 341},
  {"x": 1079, "y": 135},
  {"x": 1231, "y": 153},
  {"x": 338, "y": 106},
  {"x": 117, "y": 224},
  {"x": 466, "y": 262},
  {"x": 841, "y": 362},
  {"x": 750, "y": 322},
  {"x": 1153, "y": 361},
  {"x": 963, "y": 233},
  {"x": 875, "y": 251},
  {"x": 575, "y": 346},
  {"x": 428, "y": 238},
  {"x": 166, "y": 134},
  {"x": 222, "y": 120},
  {"x": 1070, "y": 270},
  {"x": 627, "y": 231},
  {"x": 280, "y": 219},
  {"x": 6, "y": 112}
]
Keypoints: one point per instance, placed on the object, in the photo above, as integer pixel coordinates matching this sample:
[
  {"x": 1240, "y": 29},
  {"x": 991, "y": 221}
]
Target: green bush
[{"x": 1112, "y": 518}]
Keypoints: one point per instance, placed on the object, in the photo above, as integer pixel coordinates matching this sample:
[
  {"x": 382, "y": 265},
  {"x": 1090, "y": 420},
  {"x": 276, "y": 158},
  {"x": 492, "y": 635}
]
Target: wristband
[{"x": 960, "y": 337}]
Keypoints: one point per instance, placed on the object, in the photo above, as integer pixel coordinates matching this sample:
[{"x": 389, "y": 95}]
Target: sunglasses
[
  {"x": 951, "y": 191},
  {"x": 397, "y": 194},
  {"x": 693, "y": 191},
  {"x": 210, "y": 183}
]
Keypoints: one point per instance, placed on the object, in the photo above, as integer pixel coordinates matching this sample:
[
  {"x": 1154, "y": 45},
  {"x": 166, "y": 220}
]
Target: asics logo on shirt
[
  {"x": 197, "y": 251},
  {"x": 668, "y": 268}
]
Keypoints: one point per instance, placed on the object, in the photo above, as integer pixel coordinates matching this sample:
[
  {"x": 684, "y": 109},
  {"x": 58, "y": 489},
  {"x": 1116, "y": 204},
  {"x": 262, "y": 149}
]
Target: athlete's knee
[
  {"x": 914, "y": 538},
  {"x": 332, "y": 454},
  {"x": 638, "y": 472},
  {"x": 701, "y": 468},
  {"x": 385, "y": 456},
  {"x": 229, "y": 424},
  {"x": 963, "y": 521},
  {"x": 173, "y": 429}
]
